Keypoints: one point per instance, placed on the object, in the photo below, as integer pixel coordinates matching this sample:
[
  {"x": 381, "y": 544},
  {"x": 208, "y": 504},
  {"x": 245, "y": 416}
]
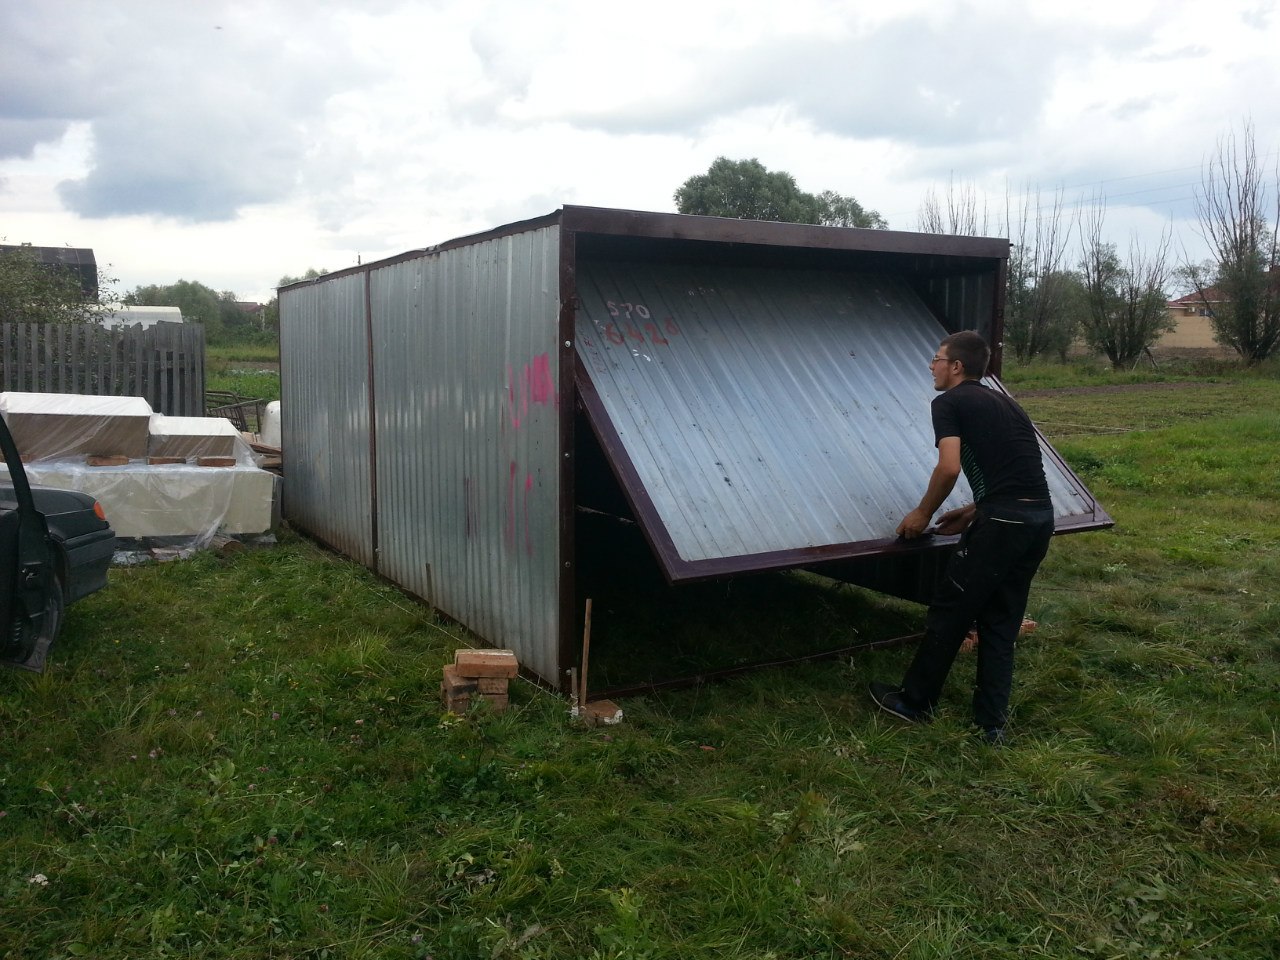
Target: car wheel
[{"x": 29, "y": 648}]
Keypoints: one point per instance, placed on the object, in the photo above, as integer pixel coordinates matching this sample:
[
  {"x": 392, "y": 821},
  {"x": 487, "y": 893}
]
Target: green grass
[
  {"x": 249, "y": 370},
  {"x": 265, "y": 352},
  {"x": 245, "y": 757},
  {"x": 1092, "y": 371}
]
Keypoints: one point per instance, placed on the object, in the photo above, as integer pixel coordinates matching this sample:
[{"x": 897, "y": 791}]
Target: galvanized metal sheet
[
  {"x": 324, "y": 413},
  {"x": 467, "y": 413},
  {"x": 760, "y": 411}
]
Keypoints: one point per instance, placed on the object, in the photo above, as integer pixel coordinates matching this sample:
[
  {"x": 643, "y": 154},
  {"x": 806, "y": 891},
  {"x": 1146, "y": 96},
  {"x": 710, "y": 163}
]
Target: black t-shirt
[{"x": 998, "y": 449}]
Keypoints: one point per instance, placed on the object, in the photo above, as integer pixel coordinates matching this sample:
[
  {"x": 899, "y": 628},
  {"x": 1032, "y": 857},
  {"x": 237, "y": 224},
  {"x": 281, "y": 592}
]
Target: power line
[{"x": 1081, "y": 199}]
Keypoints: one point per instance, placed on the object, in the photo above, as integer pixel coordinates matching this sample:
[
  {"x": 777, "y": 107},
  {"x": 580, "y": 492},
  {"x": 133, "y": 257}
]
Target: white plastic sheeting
[
  {"x": 172, "y": 500},
  {"x": 196, "y": 437},
  {"x": 52, "y": 426},
  {"x": 56, "y": 433}
]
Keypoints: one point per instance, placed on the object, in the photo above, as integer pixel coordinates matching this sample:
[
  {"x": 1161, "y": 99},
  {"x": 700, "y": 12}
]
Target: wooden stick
[{"x": 586, "y": 652}]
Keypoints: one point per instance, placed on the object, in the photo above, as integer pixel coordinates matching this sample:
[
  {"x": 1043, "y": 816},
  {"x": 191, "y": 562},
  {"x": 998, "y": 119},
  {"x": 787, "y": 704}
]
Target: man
[{"x": 1005, "y": 535}]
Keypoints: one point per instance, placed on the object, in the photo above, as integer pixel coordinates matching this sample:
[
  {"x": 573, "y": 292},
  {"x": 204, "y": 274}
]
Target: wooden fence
[{"x": 163, "y": 363}]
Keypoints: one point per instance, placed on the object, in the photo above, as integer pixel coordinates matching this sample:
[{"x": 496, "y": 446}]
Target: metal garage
[{"x": 757, "y": 391}]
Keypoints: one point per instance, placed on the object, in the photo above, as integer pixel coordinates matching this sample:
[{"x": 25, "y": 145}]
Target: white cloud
[{"x": 233, "y": 142}]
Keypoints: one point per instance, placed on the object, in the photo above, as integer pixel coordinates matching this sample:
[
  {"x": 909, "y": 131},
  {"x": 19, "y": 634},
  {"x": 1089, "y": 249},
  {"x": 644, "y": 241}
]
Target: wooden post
[{"x": 586, "y": 653}]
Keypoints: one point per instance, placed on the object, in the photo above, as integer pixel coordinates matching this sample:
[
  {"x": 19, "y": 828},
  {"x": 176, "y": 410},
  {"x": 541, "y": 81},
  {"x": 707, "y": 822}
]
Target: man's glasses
[{"x": 942, "y": 359}]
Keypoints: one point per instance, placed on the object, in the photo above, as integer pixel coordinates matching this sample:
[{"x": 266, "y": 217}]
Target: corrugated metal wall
[
  {"x": 324, "y": 416},
  {"x": 465, "y": 354}
]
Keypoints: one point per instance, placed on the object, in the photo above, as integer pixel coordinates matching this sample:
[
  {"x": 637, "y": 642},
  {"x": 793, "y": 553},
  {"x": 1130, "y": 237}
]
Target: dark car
[{"x": 55, "y": 547}]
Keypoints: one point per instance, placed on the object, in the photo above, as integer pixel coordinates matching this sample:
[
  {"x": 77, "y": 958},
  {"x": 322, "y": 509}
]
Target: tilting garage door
[{"x": 768, "y": 418}]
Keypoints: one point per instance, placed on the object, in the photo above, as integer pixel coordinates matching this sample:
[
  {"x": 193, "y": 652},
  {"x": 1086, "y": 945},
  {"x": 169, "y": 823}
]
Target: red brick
[
  {"x": 486, "y": 663},
  {"x": 455, "y": 684},
  {"x": 602, "y": 713}
]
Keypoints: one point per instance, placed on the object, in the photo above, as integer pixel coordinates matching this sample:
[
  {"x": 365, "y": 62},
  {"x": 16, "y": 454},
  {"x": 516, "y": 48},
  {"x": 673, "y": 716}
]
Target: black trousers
[{"x": 987, "y": 581}]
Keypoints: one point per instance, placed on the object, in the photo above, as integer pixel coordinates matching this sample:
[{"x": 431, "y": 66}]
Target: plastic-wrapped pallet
[
  {"x": 59, "y": 426},
  {"x": 192, "y": 437}
]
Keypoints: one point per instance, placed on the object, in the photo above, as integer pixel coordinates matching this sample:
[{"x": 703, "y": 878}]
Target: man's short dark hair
[{"x": 971, "y": 350}]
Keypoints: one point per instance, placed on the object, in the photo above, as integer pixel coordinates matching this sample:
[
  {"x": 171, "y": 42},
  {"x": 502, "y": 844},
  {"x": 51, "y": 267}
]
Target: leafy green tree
[
  {"x": 747, "y": 190},
  {"x": 1127, "y": 304},
  {"x": 1242, "y": 232},
  {"x": 837, "y": 210},
  {"x": 36, "y": 292},
  {"x": 311, "y": 274},
  {"x": 198, "y": 303},
  {"x": 271, "y": 311},
  {"x": 1072, "y": 309}
]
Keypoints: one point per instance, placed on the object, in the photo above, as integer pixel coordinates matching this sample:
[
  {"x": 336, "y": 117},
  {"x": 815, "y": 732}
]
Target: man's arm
[{"x": 941, "y": 482}]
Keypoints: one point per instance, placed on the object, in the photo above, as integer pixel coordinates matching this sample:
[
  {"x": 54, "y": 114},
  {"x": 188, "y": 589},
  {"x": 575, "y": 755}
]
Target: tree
[
  {"x": 747, "y": 190},
  {"x": 271, "y": 310},
  {"x": 1127, "y": 303},
  {"x": 837, "y": 210},
  {"x": 1232, "y": 208},
  {"x": 1071, "y": 312},
  {"x": 198, "y": 303},
  {"x": 1037, "y": 320},
  {"x": 961, "y": 215},
  {"x": 36, "y": 292}
]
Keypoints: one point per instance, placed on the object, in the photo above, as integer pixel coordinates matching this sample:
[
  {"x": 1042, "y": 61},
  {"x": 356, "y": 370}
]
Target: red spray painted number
[{"x": 619, "y": 333}]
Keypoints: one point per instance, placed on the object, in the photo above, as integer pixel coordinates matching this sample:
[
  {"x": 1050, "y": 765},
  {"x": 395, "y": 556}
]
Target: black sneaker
[
  {"x": 890, "y": 700},
  {"x": 994, "y": 737}
]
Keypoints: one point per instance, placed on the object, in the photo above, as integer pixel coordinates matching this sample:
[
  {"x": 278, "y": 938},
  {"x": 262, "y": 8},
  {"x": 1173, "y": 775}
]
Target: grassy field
[
  {"x": 249, "y": 370},
  {"x": 244, "y": 756}
]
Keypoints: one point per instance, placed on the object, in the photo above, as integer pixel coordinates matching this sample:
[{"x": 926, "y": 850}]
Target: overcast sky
[{"x": 236, "y": 142}]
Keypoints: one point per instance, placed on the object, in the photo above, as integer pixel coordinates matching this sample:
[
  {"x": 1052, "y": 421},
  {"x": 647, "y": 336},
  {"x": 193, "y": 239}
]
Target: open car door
[{"x": 31, "y": 600}]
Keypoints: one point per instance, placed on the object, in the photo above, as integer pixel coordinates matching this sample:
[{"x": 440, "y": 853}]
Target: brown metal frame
[{"x": 567, "y": 358}]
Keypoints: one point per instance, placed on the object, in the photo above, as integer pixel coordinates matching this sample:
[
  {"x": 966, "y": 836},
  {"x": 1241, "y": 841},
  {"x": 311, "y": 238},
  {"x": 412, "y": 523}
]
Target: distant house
[
  {"x": 1193, "y": 316},
  {"x": 1193, "y": 324},
  {"x": 78, "y": 261}
]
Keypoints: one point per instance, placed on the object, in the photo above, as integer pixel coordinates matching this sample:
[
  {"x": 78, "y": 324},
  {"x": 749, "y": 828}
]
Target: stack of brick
[{"x": 478, "y": 674}]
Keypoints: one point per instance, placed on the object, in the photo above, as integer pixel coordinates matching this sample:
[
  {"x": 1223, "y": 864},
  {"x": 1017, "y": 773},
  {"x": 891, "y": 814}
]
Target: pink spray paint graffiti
[{"x": 531, "y": 386}]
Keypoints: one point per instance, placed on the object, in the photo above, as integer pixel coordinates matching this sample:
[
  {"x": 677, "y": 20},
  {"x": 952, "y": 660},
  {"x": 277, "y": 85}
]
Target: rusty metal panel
[
  {"x": 764, "y": 419},
  {"x": 324, "y": 413},
  {"x": 468, "y": 426}
]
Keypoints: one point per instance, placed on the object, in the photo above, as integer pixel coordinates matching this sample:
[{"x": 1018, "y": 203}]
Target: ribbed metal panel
[
  {"x": 324, "y": 413},
  {"x": 465, "y": 354},
  {"x": 767, "y": 410}
]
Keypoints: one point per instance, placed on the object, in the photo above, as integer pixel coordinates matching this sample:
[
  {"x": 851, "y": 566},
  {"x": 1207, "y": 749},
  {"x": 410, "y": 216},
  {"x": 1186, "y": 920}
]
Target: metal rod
[{"x": 586, "y": 653}]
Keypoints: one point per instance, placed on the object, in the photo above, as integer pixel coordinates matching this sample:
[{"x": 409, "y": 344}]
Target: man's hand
[
  {"x": 955, "y": 521},
  {"x": 913, "y": 524}
]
